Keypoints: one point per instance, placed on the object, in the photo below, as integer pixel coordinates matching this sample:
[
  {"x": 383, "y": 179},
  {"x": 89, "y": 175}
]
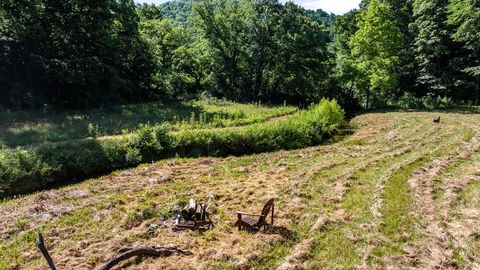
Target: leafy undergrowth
[
  {"x": 353, "y": 204},
  {"x": 32, "y": 168},
  {"x": 32, "y": 127}
]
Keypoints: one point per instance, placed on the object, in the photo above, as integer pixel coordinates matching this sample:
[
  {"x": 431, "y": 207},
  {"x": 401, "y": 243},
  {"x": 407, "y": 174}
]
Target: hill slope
[
  {"x": 179, "y": 11},
  {"x": 400, "y": 192}
]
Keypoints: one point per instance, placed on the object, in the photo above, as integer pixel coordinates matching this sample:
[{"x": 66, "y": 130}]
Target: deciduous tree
[{"x": 375, "y": 47}]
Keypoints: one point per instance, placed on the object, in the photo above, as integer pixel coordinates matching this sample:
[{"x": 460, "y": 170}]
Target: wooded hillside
[{"x": 76, "y": 54}]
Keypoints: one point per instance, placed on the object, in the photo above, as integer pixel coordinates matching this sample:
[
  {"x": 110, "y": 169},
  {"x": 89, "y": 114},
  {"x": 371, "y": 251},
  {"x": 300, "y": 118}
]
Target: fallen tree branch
[
  {"x": 43, "y": 249},
  {"x": 128, "y": 253}
]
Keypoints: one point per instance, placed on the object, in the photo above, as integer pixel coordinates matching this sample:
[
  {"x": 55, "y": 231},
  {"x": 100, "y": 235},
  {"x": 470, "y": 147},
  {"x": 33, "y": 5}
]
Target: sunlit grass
[
  {"x": 375, "y": 163},
  {"x": 31, "y": 127}
]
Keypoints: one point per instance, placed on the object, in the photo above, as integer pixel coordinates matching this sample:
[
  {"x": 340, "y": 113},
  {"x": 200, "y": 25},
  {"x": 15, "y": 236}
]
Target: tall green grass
[
  {"x": 28, "y": 169},
  {"x": 23, "y": 128}
]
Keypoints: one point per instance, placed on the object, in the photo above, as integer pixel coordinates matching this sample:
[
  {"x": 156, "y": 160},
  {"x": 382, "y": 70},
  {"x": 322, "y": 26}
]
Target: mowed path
[{"x": 401, "y": 193}]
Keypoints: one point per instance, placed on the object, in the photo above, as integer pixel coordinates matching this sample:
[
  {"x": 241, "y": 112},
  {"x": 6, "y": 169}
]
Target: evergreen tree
[
  {"x": 431, "y": 45},
  {"x": 464, "y": 16}
]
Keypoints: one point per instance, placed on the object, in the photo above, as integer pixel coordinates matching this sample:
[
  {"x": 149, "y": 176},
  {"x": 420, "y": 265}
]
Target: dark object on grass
[
  {"x": 437, "y": 120},
  {"x": 43, "y": 249},
  {"x": 127, "y": 253},
  {"x": 255, "y": 225},
  {"x": 194, "y": 216}
]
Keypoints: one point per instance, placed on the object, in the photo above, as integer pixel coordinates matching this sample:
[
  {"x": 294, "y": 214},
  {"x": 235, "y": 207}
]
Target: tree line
[
  {"x": 389, "y": 49},
  {"x": 85, "y": 53}
]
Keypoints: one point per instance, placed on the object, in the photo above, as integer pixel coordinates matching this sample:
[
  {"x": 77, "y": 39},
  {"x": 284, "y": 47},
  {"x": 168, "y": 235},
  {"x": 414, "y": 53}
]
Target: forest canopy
[{"x": 79, "y": 54}]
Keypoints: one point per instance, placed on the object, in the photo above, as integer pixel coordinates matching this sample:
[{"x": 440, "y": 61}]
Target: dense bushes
[
  {"x": 29, "y": 169},
  {"x": 428, "y": 102},
  {"x": 72, "y": 54}
]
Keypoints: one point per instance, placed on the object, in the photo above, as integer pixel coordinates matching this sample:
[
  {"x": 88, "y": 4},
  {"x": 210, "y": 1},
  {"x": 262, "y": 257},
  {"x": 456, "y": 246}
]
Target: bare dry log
[{"x": 128, "y": 253}]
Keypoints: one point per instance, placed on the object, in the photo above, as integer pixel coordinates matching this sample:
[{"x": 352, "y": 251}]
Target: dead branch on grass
[
  {"x": 128, "y": 253},
  {"x": 43, "y": 249}
]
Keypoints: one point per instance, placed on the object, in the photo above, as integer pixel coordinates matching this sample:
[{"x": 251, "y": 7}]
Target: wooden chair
[{"x": 251, "y": 224}]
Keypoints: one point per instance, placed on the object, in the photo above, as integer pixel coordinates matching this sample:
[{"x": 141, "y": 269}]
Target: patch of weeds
[
  {"x": 475, "y": 247},
  {"x": 93, "y": 130},
  {"x": 471, "y": 196},
  {"x": 275, "y": 253},
  {"x": 210, "y": 235},
  {"x": 144, "y": 211},
  {"x": 241, "y": 162},
  {"x": 458, "y": 257},
  {"x": 354, "y": 142},
  {"x": 100, "y": 206},
  {"x": 21, "y": 223},
  {"x": 11, "y": 254},
  {"x": 468, "y": 135},
  {"x": 93, "y": 259},
  {"x": 335, "y": 250},
  {"x": 74, "y": 219},
  {"x": 65, "y": 244},
  {"x": 224, "y": 264}
]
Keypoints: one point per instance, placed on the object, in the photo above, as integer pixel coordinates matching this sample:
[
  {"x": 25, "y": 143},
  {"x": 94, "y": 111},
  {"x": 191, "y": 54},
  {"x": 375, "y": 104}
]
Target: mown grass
[
  {"x": 398, "y": 223},
  {"x": 472, "y": 195},
  {"x": 341, "y": 245},
  {"x": 310, "y": 175},
  {"x": 32, "y": 127},
  {"x": 469, "y": 199},
  {"x": 331, "y": 249},
  {"x": 32, "y": 168}
]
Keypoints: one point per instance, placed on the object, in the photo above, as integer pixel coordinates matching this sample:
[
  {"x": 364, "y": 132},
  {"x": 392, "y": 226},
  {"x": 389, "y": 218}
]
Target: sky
[{"x": 334, "y": 6}]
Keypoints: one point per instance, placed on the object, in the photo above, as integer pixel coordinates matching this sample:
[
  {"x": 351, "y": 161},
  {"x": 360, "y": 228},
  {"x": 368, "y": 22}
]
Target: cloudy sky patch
[{"x": 335, "y": 6}]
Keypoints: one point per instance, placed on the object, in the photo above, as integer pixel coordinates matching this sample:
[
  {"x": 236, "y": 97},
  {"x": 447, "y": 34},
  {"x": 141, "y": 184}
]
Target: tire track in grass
[
  {"x": 301, "y": 250},
  {"x": 462, "y": 222},
  {"x": 427, "y": 248},
  {"x": 393, "y": 155},
  {"x": 352, "y": 233},
  {"x": 435, "y": 250},
  {"x": 459, "y": 204}
]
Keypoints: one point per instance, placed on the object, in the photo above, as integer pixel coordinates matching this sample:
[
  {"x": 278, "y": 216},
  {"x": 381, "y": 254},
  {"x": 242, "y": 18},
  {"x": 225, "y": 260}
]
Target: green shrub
[
  {"x": 305, "y": 129},
  {"x": 33, "y": 168},
  {"x": 428, "y": 102},
  {"x": 431, "y": 103},
  {"x": 22, "y": 170},
  {"x": 147, "y": 143},
  {"x": 30, "y": 169}
]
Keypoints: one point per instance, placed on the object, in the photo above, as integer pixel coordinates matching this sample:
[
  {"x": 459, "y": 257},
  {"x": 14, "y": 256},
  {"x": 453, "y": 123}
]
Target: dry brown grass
[{"x": 331, "y": 210}]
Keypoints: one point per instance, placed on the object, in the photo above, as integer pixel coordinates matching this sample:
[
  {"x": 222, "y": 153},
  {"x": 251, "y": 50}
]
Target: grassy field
[
  {"x": 401, "y": 192},
  {"x": 35, "y": 167},
  {"x": 31, "y": 127}
]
